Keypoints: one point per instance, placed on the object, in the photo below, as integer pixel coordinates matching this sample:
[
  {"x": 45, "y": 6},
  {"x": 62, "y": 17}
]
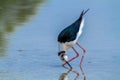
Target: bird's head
[{"x": 63, "y": 56}]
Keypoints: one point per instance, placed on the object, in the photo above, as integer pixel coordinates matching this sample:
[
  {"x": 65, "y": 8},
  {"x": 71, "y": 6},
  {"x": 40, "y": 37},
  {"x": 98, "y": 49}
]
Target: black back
[{"x": 70, "y": 33}]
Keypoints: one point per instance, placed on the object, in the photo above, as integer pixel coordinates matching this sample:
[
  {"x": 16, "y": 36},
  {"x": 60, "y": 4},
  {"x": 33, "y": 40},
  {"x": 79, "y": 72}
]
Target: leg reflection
[
  {"x": 83, "y": 74},
  {"x": 64, "y": 76},
  {"x": 69, "y": 70}
]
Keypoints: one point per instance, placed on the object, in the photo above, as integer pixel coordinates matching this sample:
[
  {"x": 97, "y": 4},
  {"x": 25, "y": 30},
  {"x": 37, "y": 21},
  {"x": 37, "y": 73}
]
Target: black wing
[{"x": 69, "y": 33}]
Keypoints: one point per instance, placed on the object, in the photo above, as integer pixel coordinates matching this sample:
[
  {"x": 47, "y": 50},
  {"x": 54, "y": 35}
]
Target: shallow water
[{"x": 28, "y": 41}]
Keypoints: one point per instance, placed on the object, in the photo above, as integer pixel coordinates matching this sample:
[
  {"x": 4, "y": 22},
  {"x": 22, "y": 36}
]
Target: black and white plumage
[
  {"x": 69, "y": 36},
  {"x": 71, "y": 32}
]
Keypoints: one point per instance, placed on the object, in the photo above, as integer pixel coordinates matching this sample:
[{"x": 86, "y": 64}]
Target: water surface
[{"x": 28, "y": 39}]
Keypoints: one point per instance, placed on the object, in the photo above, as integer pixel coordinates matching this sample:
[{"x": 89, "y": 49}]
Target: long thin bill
[{"x": 69, "y": 65}]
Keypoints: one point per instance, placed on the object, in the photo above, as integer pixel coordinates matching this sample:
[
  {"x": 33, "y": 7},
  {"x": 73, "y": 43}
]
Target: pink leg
[
  {"x": 74, "y": 71},
  {"x": 84, "y": 51},
  {"x": 77, "y": 55}
]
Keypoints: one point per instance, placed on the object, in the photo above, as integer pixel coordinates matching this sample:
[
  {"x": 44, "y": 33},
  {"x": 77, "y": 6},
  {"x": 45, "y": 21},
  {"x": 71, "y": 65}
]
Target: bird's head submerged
[{"x": 63, "y": 56}]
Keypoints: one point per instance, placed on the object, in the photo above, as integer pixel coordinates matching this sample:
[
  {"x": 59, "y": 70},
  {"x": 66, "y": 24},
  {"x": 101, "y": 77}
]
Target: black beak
[{"x": 69, "y": 65}]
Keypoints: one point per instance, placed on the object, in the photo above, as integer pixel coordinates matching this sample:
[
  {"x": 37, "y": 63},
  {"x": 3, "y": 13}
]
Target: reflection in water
[
  {"x": 12, "y": 13},
  {"x": 3, "y": 44},
  {"x": 83, "y": 74},
  {"x": 74, "y": 71},
  {"x": 64, "y": 76}
]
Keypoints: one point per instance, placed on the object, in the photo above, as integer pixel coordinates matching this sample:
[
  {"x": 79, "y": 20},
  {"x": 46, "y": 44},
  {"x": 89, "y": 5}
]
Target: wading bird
[{"x": 68, "y": 38}]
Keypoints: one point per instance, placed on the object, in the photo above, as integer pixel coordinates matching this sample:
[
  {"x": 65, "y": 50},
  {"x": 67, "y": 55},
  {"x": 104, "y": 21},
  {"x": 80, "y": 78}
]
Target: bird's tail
[{"x": 83, "y": 13}]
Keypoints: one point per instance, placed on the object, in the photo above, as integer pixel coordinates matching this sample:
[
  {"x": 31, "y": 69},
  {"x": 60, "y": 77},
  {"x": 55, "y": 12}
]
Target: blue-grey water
[{"x": 28, "y": 39}]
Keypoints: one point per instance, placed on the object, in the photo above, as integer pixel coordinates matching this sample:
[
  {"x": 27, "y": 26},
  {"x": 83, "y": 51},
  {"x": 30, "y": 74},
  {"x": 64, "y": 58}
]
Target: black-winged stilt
[{"x": 68, "y": 38}]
